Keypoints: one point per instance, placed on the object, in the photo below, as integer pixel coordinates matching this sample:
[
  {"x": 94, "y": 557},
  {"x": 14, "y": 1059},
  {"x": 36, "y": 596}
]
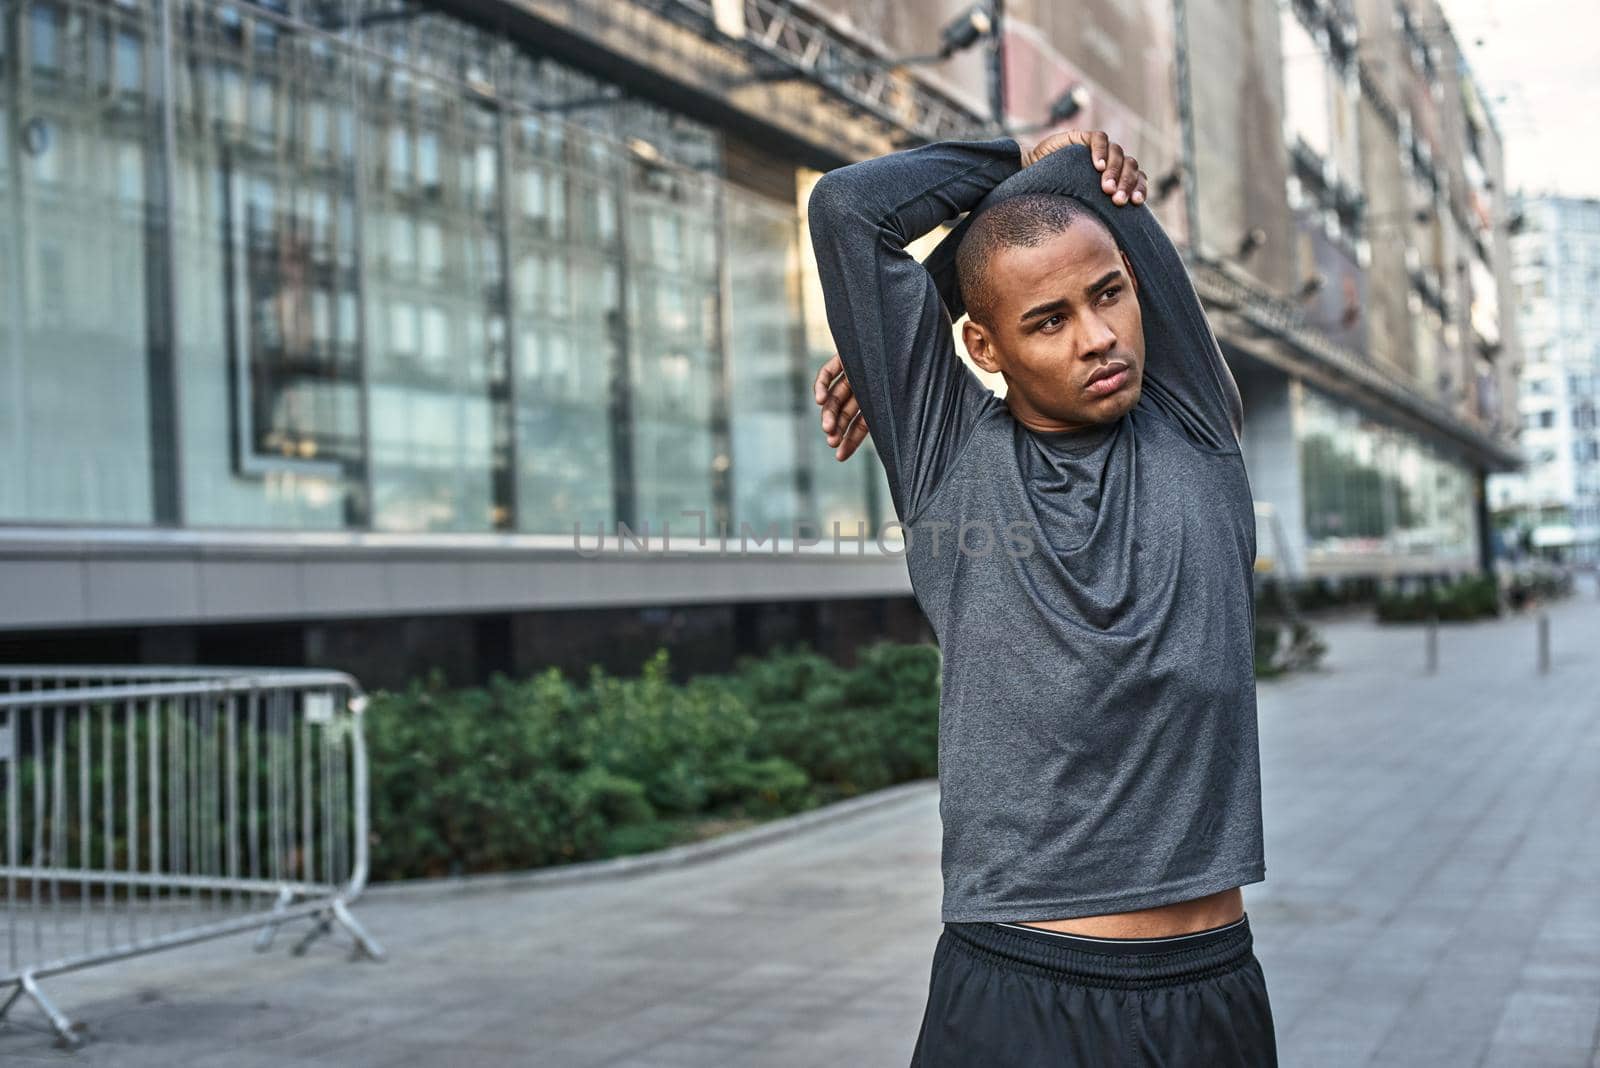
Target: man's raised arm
[{"x": 888, "y": 321}]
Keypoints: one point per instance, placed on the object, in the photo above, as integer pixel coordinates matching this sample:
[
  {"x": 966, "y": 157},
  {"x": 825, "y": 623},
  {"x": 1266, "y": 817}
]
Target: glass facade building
[
  {"x": 1373, "y": 490},
  {"x": 334, "y": 327},
  {"x": 352, "y": 266}
]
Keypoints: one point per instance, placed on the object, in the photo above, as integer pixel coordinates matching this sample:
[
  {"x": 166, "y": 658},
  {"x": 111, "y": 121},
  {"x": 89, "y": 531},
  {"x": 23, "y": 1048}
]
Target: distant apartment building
[
  {"x": 1552, "y": 506},
  {"x": 327, "y": 323}
]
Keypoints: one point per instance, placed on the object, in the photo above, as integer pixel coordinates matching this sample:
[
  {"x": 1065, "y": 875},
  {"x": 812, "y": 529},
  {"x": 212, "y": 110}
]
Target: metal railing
[{"x": 149, "y": 808}]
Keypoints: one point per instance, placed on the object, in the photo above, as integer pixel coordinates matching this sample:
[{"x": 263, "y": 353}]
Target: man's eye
[
  {"x": 1051, "y": 322},
  {"x": 1110, "y": 294}
]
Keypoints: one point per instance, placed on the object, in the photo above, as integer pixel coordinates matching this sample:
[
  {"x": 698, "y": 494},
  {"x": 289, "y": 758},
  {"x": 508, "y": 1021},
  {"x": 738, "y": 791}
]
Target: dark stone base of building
[{"x": 388, "y": 653}]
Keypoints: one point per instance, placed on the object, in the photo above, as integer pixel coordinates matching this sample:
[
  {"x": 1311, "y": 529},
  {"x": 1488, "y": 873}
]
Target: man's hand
[
  {"x": 832, "y": 391},
  {"x": 1121, "y": 177}
]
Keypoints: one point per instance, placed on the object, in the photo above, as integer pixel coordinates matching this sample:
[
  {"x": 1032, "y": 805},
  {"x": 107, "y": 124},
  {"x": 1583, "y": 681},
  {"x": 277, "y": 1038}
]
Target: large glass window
[
  {"x": 430, "y": 283},
  {"x": 674, "y": 318},
  {"x": 265, "y": 258},
  {"x": 1372, "y": 489},
  {"x": 770, "y": 406},
  {"x": 75, "y": 344},
  {"x": 566, "y": 251},
  {"x": 437, "y": 353}
]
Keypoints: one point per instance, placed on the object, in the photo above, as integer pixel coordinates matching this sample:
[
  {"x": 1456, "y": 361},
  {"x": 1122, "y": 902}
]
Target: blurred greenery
[
  {"x": 1284, "y": 640},
  {"x": 1473, "y": 597},
  {"x": 523, "y": 774}
]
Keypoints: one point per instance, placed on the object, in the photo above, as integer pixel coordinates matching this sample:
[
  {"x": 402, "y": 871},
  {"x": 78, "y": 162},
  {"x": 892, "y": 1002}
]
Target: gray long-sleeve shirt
[{"x": 1097, "y": 719}]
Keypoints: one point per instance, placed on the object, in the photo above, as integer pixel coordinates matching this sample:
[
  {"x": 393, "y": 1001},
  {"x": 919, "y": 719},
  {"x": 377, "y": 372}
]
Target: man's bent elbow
[{"x": 836, "y": 202}]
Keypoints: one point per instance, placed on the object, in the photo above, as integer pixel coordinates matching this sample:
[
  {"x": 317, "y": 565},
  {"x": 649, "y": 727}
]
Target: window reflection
[
  {"x": 270, "y": 372},
  {"x": 769, "y": 406},
  {"x": 673, "y": 320},
  {"x": 404, "y": 300},
  {"x": 571, "y": 335},
  {"x": 1374, "y": 489},
  {"x": 438, "y": 373},
  {"x": 74, "y": 340}
]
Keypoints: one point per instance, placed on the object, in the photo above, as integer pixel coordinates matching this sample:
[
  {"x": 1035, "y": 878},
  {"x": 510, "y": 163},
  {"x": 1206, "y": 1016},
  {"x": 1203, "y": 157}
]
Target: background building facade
[
  {"x": 343, "y": 332},
  {"x": 1553, "y": 505}
]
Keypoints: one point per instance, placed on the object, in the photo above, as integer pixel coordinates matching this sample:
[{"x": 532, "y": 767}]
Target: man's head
[{"x": 1052, "y": 305}]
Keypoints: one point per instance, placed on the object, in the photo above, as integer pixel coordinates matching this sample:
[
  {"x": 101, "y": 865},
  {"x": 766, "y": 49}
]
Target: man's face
[{"x": 1064, "y": 329}]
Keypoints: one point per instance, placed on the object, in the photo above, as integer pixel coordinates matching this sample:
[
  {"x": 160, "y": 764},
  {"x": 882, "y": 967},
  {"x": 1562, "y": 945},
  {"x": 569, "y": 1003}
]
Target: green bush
[
  {"x": 1283, "y": 645},
  {"x": 543, "y": 771},
  {"x": 485, "y": 779},
  {"x": 857, "y": 730},
  {"x": 1474, "y": 597},
  {"x": 768, "y": 787},
  {"x": 670, "y": 738}
]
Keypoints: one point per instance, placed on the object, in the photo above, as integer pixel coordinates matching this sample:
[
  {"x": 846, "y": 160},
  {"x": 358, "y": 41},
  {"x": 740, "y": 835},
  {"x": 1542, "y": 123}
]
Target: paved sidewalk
[{"x": 1433, "y": 859}]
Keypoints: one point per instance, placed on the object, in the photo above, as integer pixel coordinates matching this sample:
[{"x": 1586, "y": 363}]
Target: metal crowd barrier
[{"x": 149, "y": 808}]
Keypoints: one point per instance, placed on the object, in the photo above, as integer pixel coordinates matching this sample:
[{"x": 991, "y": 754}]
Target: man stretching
[{"x": 1083, "y": 551}]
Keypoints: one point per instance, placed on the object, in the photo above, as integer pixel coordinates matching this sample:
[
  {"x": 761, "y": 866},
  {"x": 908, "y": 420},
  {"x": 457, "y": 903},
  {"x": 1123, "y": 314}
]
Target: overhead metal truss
[{"x": 858, "y": 70}]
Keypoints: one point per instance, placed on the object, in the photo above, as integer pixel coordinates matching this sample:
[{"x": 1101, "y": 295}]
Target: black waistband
[{"x": 1109, "y": 962}]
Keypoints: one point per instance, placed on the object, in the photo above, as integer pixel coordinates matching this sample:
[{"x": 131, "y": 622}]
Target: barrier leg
[
  {"x": 365, "y": 943},
  {"x": 66, "y": 1031},
  {"x": 264, "y": 939},
  {"x": 15, "y": 994},
  {"x": 321, "y": 926}
]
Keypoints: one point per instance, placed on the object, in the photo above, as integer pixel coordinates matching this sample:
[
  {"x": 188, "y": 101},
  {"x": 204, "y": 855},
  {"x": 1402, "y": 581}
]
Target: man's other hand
[
  {"x": 1121, "y": 177},
  {"x": 842, "y": 422}
]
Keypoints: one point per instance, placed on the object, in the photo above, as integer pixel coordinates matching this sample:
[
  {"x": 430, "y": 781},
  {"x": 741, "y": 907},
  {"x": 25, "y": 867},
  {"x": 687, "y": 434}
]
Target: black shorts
[{"x": 1009, "y": 997}]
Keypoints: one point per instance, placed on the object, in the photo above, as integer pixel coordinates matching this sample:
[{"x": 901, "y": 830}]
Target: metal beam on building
[{"x": 672, "y": 52}]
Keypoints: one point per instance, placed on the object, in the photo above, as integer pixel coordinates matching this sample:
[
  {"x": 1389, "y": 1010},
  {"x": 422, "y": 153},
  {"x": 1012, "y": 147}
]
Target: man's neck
[{"x": 1044, "y": 424}]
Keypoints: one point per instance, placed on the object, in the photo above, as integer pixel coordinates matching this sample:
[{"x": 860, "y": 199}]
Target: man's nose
[{"x": 1095, "y": 337}]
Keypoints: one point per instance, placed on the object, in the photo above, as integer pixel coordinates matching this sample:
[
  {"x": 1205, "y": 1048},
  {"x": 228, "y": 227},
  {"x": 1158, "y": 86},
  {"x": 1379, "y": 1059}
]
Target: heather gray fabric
[{"x": 1097, "y": 723}]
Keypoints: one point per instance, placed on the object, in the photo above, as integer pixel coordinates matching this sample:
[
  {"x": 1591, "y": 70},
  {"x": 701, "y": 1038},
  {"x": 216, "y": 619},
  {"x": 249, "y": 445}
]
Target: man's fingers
[
  {"x": 1108, "y": 180},
  {"x": 853, "y": 437},
  {"x": 835, "y": 419},
  {"x": 853, "y": 440},
  {"x": 825, "y": 376},
  {"x": 841, "y": 449},
  {"x": 1120, "y": 176},
  {"x": 834, "y": 394},
  {"x": 1127, "y": 182},
  {"x": 842, "y": 422}
]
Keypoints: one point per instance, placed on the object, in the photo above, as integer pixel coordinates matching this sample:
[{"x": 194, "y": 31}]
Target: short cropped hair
[{"x": 1025, "y": 220}]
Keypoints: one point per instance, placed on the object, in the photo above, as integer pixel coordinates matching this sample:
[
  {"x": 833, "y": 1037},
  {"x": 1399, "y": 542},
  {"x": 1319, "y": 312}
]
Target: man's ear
[
  {"x": 1127, "y": 265},
  {"x": 976, "y": 338}
]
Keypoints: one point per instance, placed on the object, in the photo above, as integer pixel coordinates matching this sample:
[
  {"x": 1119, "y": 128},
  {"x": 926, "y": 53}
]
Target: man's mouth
[{"x": 1107, "y": 379}]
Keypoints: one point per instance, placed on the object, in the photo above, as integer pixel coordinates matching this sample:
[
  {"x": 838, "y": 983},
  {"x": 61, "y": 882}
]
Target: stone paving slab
[{"x": 1433, "y": 859}]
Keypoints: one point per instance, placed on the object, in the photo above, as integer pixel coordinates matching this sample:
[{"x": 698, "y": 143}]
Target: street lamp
[
  {"x": 1063, "y": 109},
  {"x": 1069, "y": 104},
  {"x": 1167, "y": 184},
  {"x": 966, "y": 30},
  {"x": 1252, "y": 240}
]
